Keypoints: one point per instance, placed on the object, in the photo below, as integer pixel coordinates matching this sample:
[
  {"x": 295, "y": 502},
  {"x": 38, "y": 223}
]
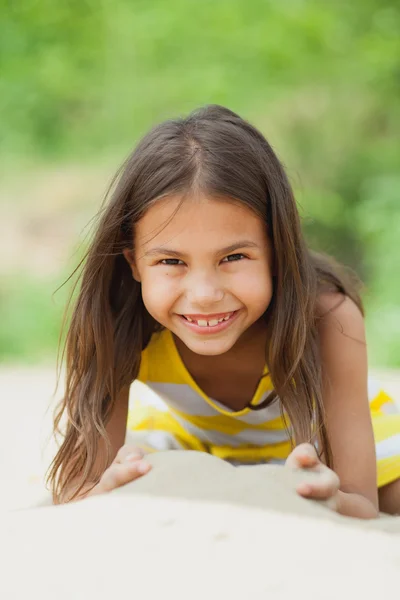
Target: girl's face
[{"x": 205, "y": 272}]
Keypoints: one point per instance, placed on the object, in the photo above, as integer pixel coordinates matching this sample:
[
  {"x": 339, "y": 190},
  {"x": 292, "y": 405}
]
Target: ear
[{"x": 130, "y": 258}]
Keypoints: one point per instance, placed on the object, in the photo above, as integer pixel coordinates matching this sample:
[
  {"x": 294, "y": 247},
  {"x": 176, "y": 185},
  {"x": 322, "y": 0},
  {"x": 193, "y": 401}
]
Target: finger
[
  {"x": 128, "y": 451},
  {"x": 303, "y": 456},
  {"x": 120, "y": 474},
  {"x": 325, "y": 486}
]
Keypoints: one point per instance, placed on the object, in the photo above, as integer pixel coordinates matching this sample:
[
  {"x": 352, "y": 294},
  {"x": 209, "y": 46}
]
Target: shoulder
[
  {"x": 342, "y": 340},
  {"x": 338, "y": 315}
]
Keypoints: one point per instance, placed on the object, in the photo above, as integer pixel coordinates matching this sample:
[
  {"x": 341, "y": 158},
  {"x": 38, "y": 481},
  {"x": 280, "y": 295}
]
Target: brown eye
[
  {"x": 171, "y": 262},
  {"x": 233, "y": 257}
]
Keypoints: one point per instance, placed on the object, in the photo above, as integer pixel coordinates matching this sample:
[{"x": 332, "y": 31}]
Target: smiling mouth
[{"x": 208, "y": 321}]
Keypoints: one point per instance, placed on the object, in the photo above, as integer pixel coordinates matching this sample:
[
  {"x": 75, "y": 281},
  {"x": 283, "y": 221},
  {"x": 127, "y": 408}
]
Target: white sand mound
[{"x": 195, "y": 527}]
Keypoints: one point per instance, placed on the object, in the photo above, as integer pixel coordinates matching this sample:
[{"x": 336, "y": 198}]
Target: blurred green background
[{"x": 81, "y": 81}]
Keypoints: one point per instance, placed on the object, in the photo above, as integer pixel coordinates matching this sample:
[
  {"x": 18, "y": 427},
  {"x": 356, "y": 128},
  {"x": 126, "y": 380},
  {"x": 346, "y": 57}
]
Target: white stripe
[
  {"x": 182, "y": 397},
  {"x": 256, "y": 437},
  {"x": 389, "y": 447},
  {"x": 147, "y": 396},
  {"x": 389, "y": 408},
  {"x": 257, "y": 417}
]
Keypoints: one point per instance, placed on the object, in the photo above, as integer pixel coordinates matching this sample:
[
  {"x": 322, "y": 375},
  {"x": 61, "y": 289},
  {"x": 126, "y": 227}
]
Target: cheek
[
  {"x": 159, "y": 293},
  {"x": 255, "y": 288}
]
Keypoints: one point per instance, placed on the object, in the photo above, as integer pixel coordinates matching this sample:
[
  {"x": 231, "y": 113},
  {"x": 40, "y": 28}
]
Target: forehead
[{"x": 202, "y": 220}]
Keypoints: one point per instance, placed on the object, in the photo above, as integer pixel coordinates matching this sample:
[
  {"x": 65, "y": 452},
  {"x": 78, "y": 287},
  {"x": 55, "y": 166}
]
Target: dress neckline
[{"x": 263, "y": 385}]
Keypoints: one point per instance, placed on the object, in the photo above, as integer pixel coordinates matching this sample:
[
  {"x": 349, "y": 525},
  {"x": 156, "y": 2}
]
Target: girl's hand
[
  {"x": 127, "y": 466},
  {"x": 323, "y": 487}
]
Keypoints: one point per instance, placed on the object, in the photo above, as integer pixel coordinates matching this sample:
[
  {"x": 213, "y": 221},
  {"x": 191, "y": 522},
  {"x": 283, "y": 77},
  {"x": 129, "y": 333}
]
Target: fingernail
[
  {"x": 310, "y": 457},
  {"x": 143, "y": 467}
]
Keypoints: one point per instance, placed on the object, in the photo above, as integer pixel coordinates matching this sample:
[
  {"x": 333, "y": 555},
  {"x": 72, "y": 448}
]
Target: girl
[{"x": 198, "y": 283}]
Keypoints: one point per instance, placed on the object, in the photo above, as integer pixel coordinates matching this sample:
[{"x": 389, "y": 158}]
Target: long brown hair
[{"x": 217, "y": 152}]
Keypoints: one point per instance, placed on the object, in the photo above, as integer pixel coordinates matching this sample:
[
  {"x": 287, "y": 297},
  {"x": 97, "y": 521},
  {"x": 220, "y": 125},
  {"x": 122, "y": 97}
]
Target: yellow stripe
[
  {"x": 388, "y": 470},
  {"x": 228, "y": 425},
  {"x": 252, "y": 453},
  {"x": 385, "y": 426},
  {"x": 380, "y": 400}
]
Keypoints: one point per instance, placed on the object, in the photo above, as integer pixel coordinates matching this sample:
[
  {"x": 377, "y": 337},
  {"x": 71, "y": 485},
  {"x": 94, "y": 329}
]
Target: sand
[{"x": 196, "y": 527}]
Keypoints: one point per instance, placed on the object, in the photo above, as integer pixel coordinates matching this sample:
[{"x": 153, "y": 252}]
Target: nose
[{"x": 204, "y": 290}]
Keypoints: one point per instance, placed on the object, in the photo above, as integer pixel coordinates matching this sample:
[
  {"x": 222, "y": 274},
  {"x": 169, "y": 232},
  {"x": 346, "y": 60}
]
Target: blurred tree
[{"x": 320, "y": 79}]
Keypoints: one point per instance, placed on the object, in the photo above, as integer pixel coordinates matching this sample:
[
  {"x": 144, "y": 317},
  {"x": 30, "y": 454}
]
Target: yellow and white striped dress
[{"x": 170, "y": 411}]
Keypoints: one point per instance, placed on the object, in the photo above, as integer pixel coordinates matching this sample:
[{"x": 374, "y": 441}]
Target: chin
[{"x": 209, "y": 348}]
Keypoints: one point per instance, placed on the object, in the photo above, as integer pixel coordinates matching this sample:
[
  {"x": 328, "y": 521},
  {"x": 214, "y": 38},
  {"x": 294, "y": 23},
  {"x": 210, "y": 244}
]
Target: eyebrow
[{"x": 226, "y": 250}]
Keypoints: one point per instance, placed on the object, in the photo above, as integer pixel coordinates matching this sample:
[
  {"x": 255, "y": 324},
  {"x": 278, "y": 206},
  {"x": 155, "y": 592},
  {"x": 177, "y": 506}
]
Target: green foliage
[
  {"x": 31, "y": 318},
  {"x": 321, "y": 80}
]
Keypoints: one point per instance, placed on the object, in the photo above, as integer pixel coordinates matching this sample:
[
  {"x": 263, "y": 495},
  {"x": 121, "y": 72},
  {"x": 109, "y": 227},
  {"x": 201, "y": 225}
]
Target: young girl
[{"x": 199, "y": 284}]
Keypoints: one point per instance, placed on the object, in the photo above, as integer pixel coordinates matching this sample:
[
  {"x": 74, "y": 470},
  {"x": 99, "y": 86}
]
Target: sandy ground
[
  {"x": 128, "y": 545},
  {"x": 26, "y": 446},
  {"x": 193, "y": 527}
]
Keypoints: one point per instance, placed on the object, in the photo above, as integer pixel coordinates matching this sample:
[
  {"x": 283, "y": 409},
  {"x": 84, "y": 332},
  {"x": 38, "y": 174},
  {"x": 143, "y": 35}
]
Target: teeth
[
  {"x": 213, "y": 322},
  {"x": 210, "y": 323}
]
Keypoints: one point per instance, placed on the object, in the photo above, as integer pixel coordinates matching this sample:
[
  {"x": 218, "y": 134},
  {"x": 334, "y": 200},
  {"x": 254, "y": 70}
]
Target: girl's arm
[
  {"x": 345, "y": 393},
  {"x": 126, "y": 462},
  {"x": 351, "y": 488}
]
